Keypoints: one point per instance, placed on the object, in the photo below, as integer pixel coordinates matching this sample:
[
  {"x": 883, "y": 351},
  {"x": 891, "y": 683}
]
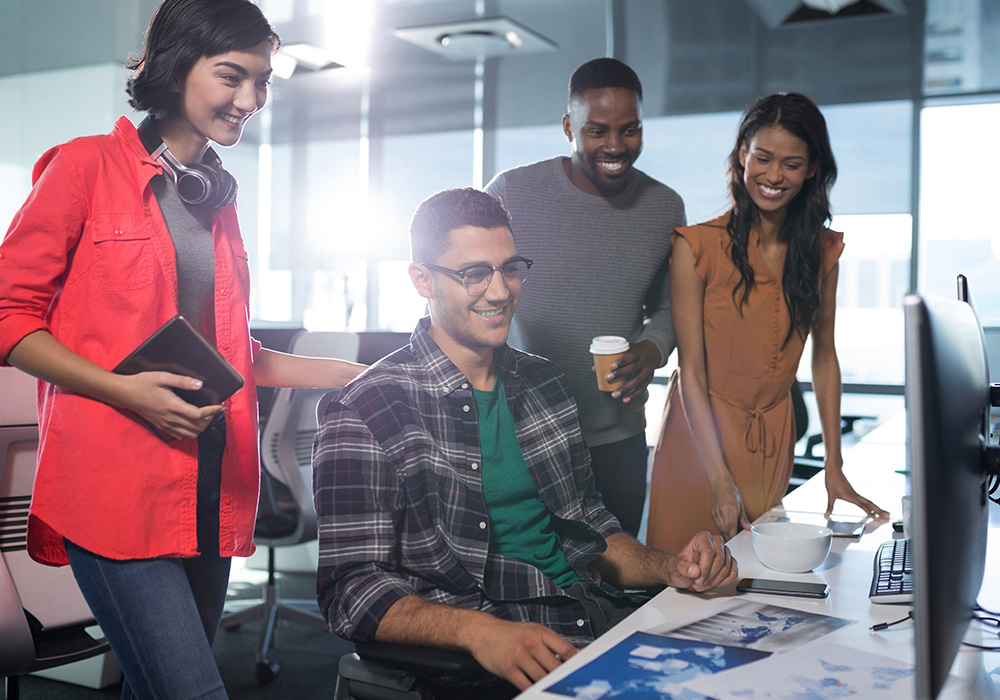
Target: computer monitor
[
  {"x": 965, "y": 294},
  {"x": 947, "y": 395}
]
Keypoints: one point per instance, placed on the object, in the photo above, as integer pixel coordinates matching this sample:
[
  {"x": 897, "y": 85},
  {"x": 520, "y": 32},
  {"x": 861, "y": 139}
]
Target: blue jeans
[{"x": 160, "y": 616}]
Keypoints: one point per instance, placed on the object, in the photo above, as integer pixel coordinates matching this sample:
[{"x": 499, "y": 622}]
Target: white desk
[{"x": 872, "y": 467}]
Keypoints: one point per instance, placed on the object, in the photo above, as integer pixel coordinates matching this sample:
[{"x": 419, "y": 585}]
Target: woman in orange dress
[{"x": 746, "y": 290}]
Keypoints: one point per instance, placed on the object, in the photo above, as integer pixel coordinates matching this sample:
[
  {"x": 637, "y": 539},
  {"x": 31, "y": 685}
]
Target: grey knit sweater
[{"x": 601, "y": 268}]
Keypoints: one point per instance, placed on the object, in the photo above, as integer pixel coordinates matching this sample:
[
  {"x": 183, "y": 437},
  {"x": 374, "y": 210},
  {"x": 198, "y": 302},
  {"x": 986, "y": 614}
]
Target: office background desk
[{"x": 872, "y": 467}]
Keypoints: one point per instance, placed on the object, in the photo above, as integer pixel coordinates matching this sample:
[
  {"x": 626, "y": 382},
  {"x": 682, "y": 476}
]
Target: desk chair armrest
[
  {"x": 847, "y": 423},
  {"x": 419, "y": 658},
  {"x": 384, "y": 671}
]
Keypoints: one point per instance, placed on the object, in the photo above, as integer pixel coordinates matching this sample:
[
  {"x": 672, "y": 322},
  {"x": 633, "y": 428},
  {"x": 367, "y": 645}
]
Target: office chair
[
  {"x": 43, "y": 616},
  {"x": 808, "y": 464},
  {"x": 286, "y": 455}
]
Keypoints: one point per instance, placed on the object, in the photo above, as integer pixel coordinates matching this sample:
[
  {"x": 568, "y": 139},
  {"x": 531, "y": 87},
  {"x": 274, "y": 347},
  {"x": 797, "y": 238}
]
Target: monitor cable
[
  {"x": 992, "y": 484},
  {"x": 886, "y": 625},
  {"x": 989, "y": 620},
  {"x": 993, "y": 621},
  {"x": 984, "y": 647}
]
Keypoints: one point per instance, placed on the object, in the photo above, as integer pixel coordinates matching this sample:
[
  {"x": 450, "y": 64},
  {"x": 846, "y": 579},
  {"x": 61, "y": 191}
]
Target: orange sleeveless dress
[{"x": 750, "y": 376}]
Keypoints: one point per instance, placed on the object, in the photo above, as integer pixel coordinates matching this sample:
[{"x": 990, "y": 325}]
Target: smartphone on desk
[{"x": 804, "y": 589}]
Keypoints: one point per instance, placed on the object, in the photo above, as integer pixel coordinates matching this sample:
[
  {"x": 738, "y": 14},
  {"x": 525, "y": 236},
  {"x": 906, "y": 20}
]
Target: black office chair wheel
[{"x": 267, "y": 671}]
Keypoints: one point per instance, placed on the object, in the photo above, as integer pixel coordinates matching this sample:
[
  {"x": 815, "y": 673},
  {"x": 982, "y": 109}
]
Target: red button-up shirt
[{"x": 89, "y": 258}]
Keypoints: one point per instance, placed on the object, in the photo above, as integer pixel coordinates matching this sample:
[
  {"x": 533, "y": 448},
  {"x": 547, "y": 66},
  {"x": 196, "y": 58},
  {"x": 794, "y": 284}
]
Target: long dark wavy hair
[{"x": 808, "y": 212}]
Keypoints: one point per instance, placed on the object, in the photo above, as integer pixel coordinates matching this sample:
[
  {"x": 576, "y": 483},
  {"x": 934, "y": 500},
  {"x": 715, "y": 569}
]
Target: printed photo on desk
[
  {"x": 820, "y": 672},
  {"x": 754, "y": 625},
  {"x": 651, "y": 667}
]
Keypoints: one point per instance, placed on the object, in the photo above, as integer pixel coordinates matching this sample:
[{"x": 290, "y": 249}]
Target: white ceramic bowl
[{"x": 791, "y": 547}]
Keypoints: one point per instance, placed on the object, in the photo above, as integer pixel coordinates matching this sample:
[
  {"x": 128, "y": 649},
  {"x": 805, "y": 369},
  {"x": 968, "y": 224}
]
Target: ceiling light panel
[{"x": 487, "y": 37}]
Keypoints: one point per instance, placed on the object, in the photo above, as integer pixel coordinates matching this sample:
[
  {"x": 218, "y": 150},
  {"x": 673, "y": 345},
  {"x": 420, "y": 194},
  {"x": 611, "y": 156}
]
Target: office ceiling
[{"x": 692, "y": 55}]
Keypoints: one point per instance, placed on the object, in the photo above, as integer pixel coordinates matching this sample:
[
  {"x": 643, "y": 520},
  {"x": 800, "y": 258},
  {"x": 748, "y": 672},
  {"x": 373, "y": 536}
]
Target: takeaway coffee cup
[{"x": 606, "y": 349}]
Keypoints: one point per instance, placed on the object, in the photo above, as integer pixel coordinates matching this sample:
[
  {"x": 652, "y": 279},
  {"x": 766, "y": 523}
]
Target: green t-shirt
[{"x": 521, "y": 526}]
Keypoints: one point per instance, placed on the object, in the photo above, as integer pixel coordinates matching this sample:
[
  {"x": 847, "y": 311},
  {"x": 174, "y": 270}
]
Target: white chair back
[{"x": 288, "y": 435}]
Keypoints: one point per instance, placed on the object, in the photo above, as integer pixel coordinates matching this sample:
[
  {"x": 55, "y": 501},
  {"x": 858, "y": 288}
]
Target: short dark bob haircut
[
  {"x": 179, "y": 34},
  {"x": 443, "y": 212}
]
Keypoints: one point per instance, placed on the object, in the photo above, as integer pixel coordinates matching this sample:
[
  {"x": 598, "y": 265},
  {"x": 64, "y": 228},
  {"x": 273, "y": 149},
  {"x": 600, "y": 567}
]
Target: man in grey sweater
[{"x": 598, "y": 231}]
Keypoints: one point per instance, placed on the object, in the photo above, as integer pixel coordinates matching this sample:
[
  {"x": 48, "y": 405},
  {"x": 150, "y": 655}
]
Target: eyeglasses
[{"x": 477, "y": 278}]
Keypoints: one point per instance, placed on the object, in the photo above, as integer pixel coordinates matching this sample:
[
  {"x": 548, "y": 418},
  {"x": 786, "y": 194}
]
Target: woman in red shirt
[{"x": 145, "y": 495}]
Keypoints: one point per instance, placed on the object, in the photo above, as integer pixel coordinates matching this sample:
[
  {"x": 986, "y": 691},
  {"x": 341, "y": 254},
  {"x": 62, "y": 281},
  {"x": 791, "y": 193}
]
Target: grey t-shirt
[
  {"x": 600, "y": 268},
  {"x": 190, "y": 228}
]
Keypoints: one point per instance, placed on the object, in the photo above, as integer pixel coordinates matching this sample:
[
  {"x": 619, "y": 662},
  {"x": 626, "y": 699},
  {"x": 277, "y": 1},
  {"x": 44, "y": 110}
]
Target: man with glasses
[
  {"x": 454, "y": 497},
  {"x": 598, "y": 230}
]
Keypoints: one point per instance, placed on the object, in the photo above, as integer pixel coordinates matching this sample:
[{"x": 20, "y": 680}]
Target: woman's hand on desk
[
  {"x": 703, "y": 564},
  {"x": 837, "y": 486}
]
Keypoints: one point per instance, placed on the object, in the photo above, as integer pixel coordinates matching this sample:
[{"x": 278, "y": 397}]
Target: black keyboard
[{"x": 892, "y": 578}]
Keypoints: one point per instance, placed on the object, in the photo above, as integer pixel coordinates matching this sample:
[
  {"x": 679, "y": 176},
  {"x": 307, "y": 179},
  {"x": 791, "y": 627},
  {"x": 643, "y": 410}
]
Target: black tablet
[{"x": 179, "y": 348}]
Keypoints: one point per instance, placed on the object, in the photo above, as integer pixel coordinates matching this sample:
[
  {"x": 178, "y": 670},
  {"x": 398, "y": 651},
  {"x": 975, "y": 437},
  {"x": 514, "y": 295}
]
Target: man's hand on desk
[
  {"x": 519, "y": 652},
  {"x": 523, "y": 652},
  {"x": 703, "y": 564}
]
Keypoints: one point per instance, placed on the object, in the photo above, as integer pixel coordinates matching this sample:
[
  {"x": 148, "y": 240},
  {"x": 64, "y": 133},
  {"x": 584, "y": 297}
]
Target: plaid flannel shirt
[{"x": 399, "y": 499}]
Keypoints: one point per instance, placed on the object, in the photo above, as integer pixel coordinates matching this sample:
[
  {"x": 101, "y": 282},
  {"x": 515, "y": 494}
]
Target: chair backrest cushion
[{"x": 288, "y": 434}]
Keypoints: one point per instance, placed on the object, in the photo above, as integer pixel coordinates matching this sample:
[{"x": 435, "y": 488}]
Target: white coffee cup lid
[{"x": 608, "y": 345}]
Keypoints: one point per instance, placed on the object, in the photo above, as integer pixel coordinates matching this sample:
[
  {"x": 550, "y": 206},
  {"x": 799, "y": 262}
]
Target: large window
[
  {"x": 873, "y": 277},
  {"x": 872, "y": 206},
  {"x": 311, "y": 265},
  {"x": 528, "y": 144},
  {"x": 689, "y": 153},
  {"x": 958, "y": 189}
]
